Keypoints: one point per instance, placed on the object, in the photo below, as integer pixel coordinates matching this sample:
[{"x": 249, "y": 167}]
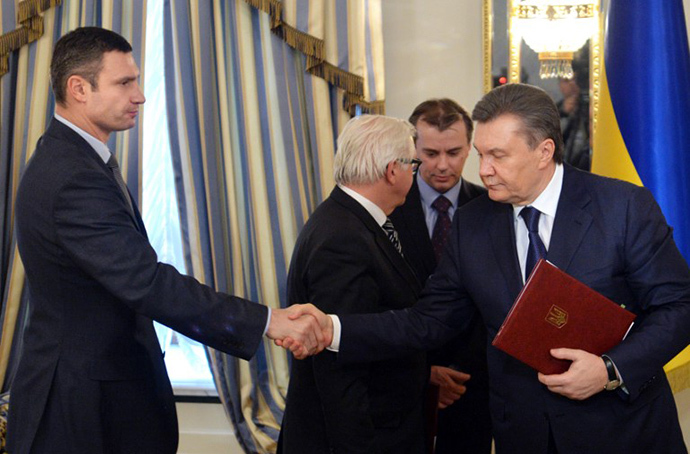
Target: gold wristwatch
[{"x": 614, "y": 382}]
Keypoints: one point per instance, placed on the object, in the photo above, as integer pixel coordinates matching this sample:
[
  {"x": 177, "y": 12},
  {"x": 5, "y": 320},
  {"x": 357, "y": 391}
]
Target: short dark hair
[
  {"x": 532, "y": 105},
  {"x": 442, "y": 114},
  {"x": 81, "y": 52}
]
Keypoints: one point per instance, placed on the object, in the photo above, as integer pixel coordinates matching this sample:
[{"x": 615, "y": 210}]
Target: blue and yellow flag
[{"x": 643, "y": 121}]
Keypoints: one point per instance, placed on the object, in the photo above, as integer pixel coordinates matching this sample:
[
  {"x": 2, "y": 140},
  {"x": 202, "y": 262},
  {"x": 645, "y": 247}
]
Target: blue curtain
[{"x": 257, "y": 92}]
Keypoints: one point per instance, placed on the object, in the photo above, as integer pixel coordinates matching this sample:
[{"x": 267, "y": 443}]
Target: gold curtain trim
[
  {"x": 28, "y": 16},
  {"x": 350, "y": 103},
  {"x": 313, "y": 48},
  {"x": 309, "y": 45},
  {"x": 351, "y": 83}
]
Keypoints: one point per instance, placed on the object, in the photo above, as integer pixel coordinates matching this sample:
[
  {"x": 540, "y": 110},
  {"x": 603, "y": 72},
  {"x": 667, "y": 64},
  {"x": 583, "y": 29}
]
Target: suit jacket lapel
[
  {"x": 380, "y": 237},
  {"x": 413, "y": 215},
  {"x": 571, "y": 222},
  {"x": 502, "y": 232},
  {"x": 464, "y": 195}
]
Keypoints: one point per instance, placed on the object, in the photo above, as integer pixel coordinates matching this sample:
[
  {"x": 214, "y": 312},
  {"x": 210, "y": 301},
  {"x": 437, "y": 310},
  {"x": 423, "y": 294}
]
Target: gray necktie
[{"x": 112, "y": 163}]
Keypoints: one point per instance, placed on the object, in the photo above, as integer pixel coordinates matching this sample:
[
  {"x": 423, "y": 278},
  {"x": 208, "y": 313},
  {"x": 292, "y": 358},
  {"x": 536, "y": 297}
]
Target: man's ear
[
  {"x": 391, "y": 172},
  {"x": 78, "y": 88},
  {"x": 546, "y": 149}
]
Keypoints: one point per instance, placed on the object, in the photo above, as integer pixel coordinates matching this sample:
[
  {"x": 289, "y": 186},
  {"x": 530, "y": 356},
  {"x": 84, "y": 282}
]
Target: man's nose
[
  {"x": 139, "y": 97},
  {"x": 442, "y": 161},
  {"x": 485, "y": 168}
]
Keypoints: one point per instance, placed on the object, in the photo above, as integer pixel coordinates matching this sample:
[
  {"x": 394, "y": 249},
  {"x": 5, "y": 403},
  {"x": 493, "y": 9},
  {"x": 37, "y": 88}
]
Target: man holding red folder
[{"x": 608, "y": 234}]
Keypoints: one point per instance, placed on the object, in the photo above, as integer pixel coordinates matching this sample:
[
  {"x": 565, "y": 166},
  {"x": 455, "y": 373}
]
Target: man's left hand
[
  {"x": 586, "y": 376},
  {"x": 451, "y": 384}
]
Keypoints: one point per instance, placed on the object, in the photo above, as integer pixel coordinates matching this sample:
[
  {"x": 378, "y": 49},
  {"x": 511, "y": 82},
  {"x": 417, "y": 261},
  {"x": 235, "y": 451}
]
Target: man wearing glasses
[{"x": 348, "y": 260}]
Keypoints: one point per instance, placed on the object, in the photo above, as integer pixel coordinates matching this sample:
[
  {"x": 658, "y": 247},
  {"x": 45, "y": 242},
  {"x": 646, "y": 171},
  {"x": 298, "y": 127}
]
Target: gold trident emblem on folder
[{"x": 557, "y": 317}]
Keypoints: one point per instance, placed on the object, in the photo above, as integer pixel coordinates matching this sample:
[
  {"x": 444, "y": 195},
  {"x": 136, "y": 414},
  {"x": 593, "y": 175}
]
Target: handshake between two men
[{"x": 301, "y": 328}]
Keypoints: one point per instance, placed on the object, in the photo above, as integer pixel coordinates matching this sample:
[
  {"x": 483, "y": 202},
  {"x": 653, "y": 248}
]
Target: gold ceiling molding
[
  {"x": 31, "y": 28},
  {"x": 314, "y": 49}
]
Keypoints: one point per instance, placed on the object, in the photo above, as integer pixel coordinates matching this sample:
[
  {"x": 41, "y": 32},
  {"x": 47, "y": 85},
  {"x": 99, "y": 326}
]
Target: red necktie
[{"x": 442, "y": 226}]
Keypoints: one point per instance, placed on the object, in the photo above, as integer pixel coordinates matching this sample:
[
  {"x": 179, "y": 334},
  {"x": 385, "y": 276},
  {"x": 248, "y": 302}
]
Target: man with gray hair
[{"x": 348, "y": 260}]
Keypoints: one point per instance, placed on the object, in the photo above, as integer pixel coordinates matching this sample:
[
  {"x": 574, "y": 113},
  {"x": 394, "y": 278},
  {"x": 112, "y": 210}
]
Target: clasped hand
[{"x": 301, "y": 328}]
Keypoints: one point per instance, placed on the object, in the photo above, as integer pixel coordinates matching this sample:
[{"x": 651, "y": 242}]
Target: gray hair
[{"x": 367, "y": 144}]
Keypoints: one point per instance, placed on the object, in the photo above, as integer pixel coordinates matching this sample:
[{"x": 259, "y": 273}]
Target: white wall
[{"x": 433, "y": 49}]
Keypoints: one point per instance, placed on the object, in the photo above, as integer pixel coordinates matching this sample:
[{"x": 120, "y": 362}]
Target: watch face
[{"x": 613, "y": 384}]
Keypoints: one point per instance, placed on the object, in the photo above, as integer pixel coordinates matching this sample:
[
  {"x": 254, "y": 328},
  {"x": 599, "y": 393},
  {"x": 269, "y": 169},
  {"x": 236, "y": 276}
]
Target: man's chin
[
  {"x": 129, "y": 124},
  {"x": 443, "y": 186},
  {"x": 497, "y": 195}
]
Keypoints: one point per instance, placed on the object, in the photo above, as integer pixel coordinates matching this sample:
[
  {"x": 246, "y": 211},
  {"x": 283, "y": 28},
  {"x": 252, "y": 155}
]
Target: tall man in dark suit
[
  {"x": 348, "y": 260},
  {"x": 444, "y": 134},
  {"x": 609, "y": 234},
  {"x": 91, "y": 377}
]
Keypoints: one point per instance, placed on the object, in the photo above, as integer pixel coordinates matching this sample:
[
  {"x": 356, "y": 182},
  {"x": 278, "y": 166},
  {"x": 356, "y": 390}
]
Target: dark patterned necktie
[
  {"x": 392, "y": 234},
  {"x": 536, "y": 250},
  {"x": 112, "y": 163},
  {"x": 442, "y": 226}
]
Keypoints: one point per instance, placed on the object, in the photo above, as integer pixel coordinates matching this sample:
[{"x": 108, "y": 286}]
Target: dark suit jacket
[
  {"x": 91, "y": 376},
  {"x": 610, "y": 235},
  {"x": 344, "y": 263},
  {"x": 464, "y": 426},
  {"x": 410, "y": 223}
]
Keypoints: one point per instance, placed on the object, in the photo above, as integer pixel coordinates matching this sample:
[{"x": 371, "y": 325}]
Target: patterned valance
[{"x": 314, "y": 48}]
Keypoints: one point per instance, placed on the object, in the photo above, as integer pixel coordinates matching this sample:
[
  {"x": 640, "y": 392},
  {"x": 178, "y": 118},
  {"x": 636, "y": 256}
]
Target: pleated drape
[{"x": 257, "y": 92}]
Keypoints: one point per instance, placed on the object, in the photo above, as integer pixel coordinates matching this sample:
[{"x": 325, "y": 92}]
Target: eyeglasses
[{"x": 414, "y": 162}]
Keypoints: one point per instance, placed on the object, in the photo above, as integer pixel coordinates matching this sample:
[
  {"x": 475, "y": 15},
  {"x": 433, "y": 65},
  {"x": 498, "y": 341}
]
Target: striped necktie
[{"x": 392, "y": 234}]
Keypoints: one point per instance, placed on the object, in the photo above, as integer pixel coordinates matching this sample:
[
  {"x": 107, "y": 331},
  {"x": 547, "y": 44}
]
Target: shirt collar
[
  {"x": 99, "y": 147},
  {"x": 373, "y": 209},
  {"x": 547, "y": 201},
  {"x": 429, "y": 194}
]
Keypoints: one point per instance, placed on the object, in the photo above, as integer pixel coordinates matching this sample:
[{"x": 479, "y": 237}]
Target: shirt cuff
[
  {"x": 268, "y": 320},
  {"x": 335, "y": 343}
]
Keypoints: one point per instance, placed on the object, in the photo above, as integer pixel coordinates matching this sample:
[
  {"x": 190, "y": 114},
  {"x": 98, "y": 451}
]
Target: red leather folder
[{"x": 555, "y": 310}]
